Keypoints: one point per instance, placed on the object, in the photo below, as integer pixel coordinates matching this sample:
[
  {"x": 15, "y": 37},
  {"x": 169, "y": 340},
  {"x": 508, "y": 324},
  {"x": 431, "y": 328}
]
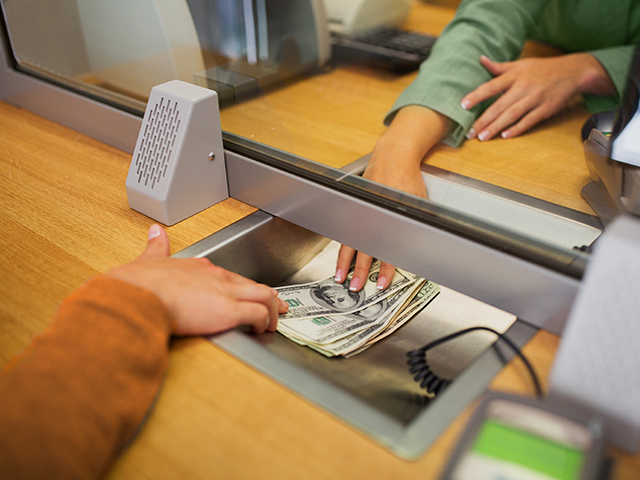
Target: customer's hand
[
  {"x": 395, "y": 162},
  {"x": 532, "y": 90},
  {"x": 202, "y": 297}
]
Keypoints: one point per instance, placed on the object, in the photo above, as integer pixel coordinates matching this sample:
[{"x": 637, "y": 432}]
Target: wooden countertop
[{"x": 65, "y": 218}]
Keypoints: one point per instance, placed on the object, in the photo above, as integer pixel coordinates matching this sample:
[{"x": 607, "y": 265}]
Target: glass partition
[{"x": 286, "y": 101}]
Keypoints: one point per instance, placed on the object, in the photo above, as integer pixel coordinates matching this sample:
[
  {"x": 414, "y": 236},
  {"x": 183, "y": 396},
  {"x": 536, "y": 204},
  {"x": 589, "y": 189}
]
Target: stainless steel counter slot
[{"x": 374, "y": 390}]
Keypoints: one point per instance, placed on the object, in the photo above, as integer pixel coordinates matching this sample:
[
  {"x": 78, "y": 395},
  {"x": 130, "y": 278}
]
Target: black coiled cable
[
  {"x": 434, "y": 385},
  {"x": 417, "y": 362}
]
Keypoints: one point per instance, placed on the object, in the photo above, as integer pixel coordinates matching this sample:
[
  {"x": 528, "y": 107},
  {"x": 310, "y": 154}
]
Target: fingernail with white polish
[
  {"x": 471, "y": 134},
  {"x": 339, "y": 276},
  {"x": 483, "y": 136},
  {"x": 154, "y": 231},
  {"x": 355, "y": 283},
  {"x": 381, "y": 282},
  {"x": 505, "y": 134},
  {"x": 466, "y": 104}
]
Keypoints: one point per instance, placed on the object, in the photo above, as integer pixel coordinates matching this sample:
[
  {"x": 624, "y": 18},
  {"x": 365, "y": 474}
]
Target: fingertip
[
  {"x": 385, "y": 276},
  {"x": 465, "y": 104},
  {"x": 471, "y": 134},
  {"x": 155, "y": 230},
  {"x": 275, "y": 309},
  {"x": 284, "y": 306},
  {"x": 345, "y": 256},
  {"x": 157, "y": 241},
  {"x": 361, "y": 272}
]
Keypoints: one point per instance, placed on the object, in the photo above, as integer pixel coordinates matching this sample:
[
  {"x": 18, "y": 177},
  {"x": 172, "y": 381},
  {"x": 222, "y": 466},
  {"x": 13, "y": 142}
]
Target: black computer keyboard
[{"x": 389, "y": 48}]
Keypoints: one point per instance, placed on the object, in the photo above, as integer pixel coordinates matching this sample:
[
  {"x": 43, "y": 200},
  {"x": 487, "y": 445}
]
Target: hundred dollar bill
[
  {"x": 421, "y": 300},
  {"x": 349, "y": 344},
  {"x": 329, "y": 329},
  {"x": 317, "y": 348},
  {"x": 426, "y": 294},
  {"x": 323, "y": 330},
  {"x": 327, "y": 297}
]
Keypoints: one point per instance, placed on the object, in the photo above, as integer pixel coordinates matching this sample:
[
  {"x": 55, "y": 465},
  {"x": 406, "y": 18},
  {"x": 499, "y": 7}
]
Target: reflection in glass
[
  {"x": 282, "y": 100},
  {"x": 129, "y": 47}
]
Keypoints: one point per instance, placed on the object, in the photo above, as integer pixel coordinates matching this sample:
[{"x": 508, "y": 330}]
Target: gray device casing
[
  {"x": 592, "y": 467},
  {"x": 615, "y": 186},
  {"x": 178, "y": 167}
]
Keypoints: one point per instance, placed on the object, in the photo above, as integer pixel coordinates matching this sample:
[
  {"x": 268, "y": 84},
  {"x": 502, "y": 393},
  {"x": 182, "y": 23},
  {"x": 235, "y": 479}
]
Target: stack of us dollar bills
[{"x": 326, "y": 316}]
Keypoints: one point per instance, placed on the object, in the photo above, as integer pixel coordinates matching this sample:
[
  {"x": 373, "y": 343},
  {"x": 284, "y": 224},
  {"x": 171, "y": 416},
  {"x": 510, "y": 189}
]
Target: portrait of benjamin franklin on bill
[
  {"x": 373, "y": 312},
  {"x": 336, "y": 296}
]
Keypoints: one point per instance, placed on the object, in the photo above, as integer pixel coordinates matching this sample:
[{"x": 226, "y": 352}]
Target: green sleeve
[
  {"x": 495, "y": 28},
  {"x": 616, "y": 61}
]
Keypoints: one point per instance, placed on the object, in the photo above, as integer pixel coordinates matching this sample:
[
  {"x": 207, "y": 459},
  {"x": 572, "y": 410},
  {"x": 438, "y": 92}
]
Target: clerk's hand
[
  {"x": 395, "y": 162},
  {"x": 532, "y": 90},
  {"x": 202, "y": 298}
]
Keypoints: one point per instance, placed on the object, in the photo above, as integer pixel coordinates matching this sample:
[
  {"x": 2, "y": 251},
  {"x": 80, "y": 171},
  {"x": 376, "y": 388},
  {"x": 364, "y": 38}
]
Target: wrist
[
  {"x": 593, "y": 78},
  {"x": 413, "y": 132}
]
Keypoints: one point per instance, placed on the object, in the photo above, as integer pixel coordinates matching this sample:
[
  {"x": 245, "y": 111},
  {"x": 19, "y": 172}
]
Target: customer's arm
[
  {"x": 421, "y": 128},
  {"x": 429, "y": 110},
  {"x": 79, "y": 392},
  {"x": 495, "y": 28}
]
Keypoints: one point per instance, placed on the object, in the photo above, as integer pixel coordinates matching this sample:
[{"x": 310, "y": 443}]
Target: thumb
[
  {"x": 158, "y": 243},
  {"x": 495, "y": 68}
]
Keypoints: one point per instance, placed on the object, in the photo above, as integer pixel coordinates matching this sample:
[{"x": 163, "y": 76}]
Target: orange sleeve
[{"x": 78, "y": 393}]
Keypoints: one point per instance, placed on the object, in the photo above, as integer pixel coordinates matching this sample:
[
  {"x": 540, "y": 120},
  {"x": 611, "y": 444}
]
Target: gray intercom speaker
[{"x": 178, "y": 167}]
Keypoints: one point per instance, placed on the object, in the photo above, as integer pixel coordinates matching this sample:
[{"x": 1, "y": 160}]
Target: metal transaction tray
[{"x": 374, "y": 390}]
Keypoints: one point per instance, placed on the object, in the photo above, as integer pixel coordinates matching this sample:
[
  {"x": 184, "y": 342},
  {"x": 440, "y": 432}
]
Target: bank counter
[{"x": 65, "y": 218}]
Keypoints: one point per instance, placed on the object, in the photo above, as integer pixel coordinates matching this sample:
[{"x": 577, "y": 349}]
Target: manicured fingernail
[
  {"x": 339, "y": 276},
  {"x": 505, "y": 134},
  {"x": 284, "y": 304},
  {"x": 381, "y": 282},
  {"x": 466, "y": 104},
  {"x": 154, "y": 231},
  {"x": 483, "y": 136},
  {"x": 355, "y": 283},
  {"x": 471, "y": 134}
]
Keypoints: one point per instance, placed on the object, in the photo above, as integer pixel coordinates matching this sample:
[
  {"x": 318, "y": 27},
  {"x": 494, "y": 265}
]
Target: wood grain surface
[{"x": 65, "y": 218}]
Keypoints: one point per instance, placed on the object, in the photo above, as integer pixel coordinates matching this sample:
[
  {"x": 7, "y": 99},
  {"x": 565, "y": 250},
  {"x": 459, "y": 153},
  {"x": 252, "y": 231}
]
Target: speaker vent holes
[{"x": 160, "y": 129}]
